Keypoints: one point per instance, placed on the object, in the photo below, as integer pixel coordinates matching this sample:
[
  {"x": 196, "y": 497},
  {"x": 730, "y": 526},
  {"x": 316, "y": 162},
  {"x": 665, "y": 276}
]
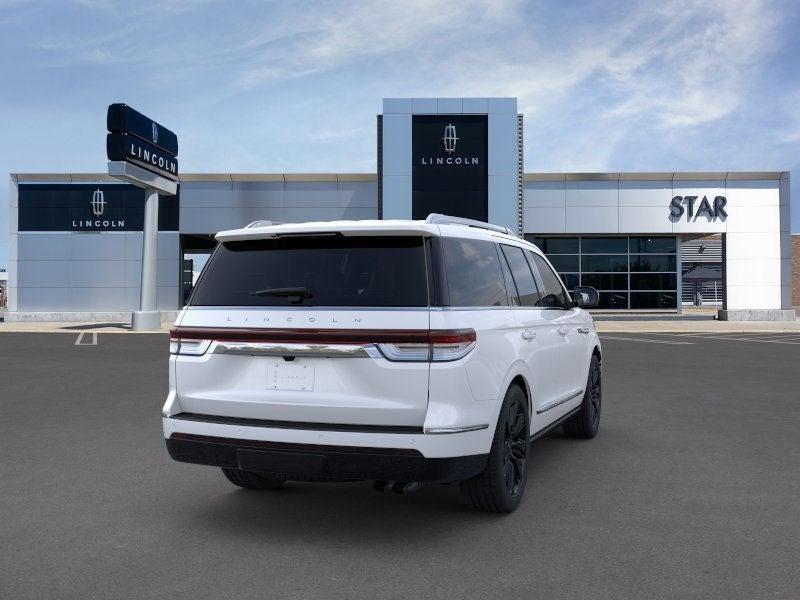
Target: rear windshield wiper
[{"x": 294, "y": 294}]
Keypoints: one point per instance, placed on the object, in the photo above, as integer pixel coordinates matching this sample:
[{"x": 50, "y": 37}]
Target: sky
[{"x": 294, "y": 86}]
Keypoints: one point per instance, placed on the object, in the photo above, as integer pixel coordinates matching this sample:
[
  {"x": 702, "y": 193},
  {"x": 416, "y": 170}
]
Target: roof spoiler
[{"x": 438, "y": 219}]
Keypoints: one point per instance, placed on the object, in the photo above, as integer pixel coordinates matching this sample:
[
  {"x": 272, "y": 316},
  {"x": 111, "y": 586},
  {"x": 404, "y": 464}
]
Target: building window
[{"x": 628, "y": 271}]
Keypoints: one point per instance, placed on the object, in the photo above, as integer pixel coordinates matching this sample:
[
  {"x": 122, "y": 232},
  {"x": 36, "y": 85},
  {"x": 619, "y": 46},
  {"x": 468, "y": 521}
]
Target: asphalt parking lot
[{"x": 690, "y": 490}]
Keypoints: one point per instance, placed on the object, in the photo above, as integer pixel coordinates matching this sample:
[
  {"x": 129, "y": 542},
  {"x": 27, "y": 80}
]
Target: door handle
[
  {"x": 528, "y": 334},
  {"x": 562, "y": 330},
  {"x": 583, "y": 330}
]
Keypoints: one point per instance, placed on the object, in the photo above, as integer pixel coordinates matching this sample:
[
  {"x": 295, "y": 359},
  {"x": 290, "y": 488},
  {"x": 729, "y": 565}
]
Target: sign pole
[{"x": 148, "y": 317}]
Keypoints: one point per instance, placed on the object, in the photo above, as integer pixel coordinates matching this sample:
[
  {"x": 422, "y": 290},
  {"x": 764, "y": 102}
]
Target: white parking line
[
  {"x": 775, "y": 338},
  {"x": 648, "y": 341},
  {"x": 79, "y": 341}
]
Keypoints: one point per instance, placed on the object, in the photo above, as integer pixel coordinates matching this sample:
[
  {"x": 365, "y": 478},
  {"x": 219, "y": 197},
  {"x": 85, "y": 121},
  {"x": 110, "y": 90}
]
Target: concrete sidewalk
[{"x": 672, "y": 325}]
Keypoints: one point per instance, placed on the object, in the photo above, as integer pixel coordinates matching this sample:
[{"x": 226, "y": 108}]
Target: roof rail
[
  {"x": 438, "y": 219},
  {"x": 260, "y": 223}
]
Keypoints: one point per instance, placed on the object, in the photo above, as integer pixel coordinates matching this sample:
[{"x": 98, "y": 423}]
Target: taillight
[
  {"x": 412, "y": 345},
  {"x": 452, "y": 345},
  {"x": 440, "y": 346},
  {"x": 188, "y": 347}
]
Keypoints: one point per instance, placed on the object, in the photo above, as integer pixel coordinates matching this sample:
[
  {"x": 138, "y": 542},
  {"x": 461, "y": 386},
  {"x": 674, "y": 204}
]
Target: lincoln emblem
[
  {"x": 98, "y": 203},
  {"x": 155, "y": 133},
  {"x": 449, "y": 139}
]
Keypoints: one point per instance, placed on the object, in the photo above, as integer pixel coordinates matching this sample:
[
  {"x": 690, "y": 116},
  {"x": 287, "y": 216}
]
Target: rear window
[{"x": 316, "y": 271}]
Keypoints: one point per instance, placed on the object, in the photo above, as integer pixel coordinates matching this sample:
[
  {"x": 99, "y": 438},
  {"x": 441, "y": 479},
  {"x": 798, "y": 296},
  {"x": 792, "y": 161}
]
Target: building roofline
[{"x": 346, "y": 177}]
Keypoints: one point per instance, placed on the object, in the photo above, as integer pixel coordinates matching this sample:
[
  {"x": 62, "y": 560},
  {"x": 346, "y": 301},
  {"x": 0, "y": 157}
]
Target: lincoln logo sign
[
  {"x": 98, "y": 204},
  {"x": 680, "y": 205},
  {"x": 155, "y": 133},
  {"x": 449, "y": 138},
  {"x": 449, "y": 141}
]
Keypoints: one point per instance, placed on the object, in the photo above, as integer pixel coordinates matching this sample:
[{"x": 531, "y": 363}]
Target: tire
[
  {"x": 499, "y": 487},
  {"x": 253, "y": 481},
  {"x": 585, "y": 424}
]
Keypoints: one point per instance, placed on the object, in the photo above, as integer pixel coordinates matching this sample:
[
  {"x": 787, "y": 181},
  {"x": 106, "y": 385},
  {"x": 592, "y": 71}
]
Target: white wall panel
[
  {"x": 168, "y": 245},
  {"x": 751, "y": 193},
  {"x": 97, "y": 273},
  {"x": 168, "y": 297},
  {"x": 43, "y": 246},
  {"x": 167, "y": 273},
  {"x": 133, "y": 274},
  {"x": 754, "y": 219},
  {"x": 754, "y": 245},
  {"x": 310, "y": 193},
  {"x": 397, "y": 145},
  {"x": 207, "y": 220},
  {"x": 12, "y": 246},
  {"x": 42, "y": 298},
  {"x": 397, "y": 197},
  {"x": 446, "y": 106},
  {"x": 545, "y": 219},
  {"x": 424, "y": 106},
  {"x": 503, "y": 154},
  {"x": 358, "y": 193},
  {"x": 754, "y": 271},
  {"x": 541, "y": 194},
  {"x": 42, "y": 273},
  {"x": 592, "y": 219},
  {"x": 503, "y": 201},
  {"x": 592, "y": 193},
  {"x": 396, "y": 105},
  {"x": 503, "y": 105},
  {"x": 253, "y": 193},
  {"x": 753, "y": 297},
  {"x": 204, "y": 194},
  {"x": 103, "y": 299},
  {"x": 646, "y": 193},
  {"x": 644, "y": 219},
  {"x": 97, "y": 246},
  {"x": 475, "y": 105},
  {"x": 133, "y": 246}
]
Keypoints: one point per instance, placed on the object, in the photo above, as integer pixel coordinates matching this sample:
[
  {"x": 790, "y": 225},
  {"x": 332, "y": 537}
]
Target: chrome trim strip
[
  {"x": 446, "y": 430},
  {"x": 559, "y": 402},
  {"x": 308, "y": 350}
]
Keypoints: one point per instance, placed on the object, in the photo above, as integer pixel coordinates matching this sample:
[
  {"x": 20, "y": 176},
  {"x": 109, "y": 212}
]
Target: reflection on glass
[
  {"x": 653, "y": 281},
  {"x": 604, "y": 263},
  {"x": 604, "y": 245},
  {"x": 664, "y": 245},
  {"x": 564, "y": 262},
  {"x": 653, "y": 262}
]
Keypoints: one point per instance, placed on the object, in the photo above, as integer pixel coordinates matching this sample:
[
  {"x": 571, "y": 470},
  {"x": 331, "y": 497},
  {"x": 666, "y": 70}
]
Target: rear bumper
[{"x": 321, "y": 461}]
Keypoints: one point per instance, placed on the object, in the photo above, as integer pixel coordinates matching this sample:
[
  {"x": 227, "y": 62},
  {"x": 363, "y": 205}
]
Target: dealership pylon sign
[
  {"x": 141, "y": 150},
  {"x": 144, "y": 153}
]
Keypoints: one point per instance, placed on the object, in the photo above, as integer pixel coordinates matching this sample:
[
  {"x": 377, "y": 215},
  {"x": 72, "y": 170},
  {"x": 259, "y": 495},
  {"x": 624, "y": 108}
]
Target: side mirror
[{"x": 585, "y": 296}]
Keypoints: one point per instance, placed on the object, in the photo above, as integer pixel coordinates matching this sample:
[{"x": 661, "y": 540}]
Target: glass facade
[{"x": 628, "y": 271}]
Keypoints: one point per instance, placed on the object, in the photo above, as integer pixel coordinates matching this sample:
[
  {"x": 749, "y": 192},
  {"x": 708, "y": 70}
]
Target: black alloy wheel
[
  {"x": 585, "y": 424},
  {"x": 500, "y": 486},
  {"x": 515, "y": 446}
]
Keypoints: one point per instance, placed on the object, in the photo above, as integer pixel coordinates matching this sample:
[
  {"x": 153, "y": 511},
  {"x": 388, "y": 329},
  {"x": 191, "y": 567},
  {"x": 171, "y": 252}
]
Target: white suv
[{"x": 398, "y": 352}]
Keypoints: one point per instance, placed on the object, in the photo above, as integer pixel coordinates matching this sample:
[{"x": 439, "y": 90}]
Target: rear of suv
[{"x": 399, "y": 352}]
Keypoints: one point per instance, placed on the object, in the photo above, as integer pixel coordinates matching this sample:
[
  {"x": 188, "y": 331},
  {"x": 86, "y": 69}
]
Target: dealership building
[{"x": 647, "y": 241}]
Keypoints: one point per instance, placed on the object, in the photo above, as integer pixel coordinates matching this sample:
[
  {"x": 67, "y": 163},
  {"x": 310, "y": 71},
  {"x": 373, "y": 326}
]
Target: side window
[
  {"x": 474, "y": 276},
  {"x": 553, "y": 293},
  {"x": 523, "y": 277}
]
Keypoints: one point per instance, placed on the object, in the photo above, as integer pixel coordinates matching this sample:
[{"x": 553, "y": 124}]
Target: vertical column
[
  {"x": 678, "y": 274},
  {"x": 148, "y": 317}
]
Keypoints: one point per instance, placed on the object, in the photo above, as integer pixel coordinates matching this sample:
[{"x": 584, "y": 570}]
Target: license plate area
[{"x": 287, "y": 376}]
